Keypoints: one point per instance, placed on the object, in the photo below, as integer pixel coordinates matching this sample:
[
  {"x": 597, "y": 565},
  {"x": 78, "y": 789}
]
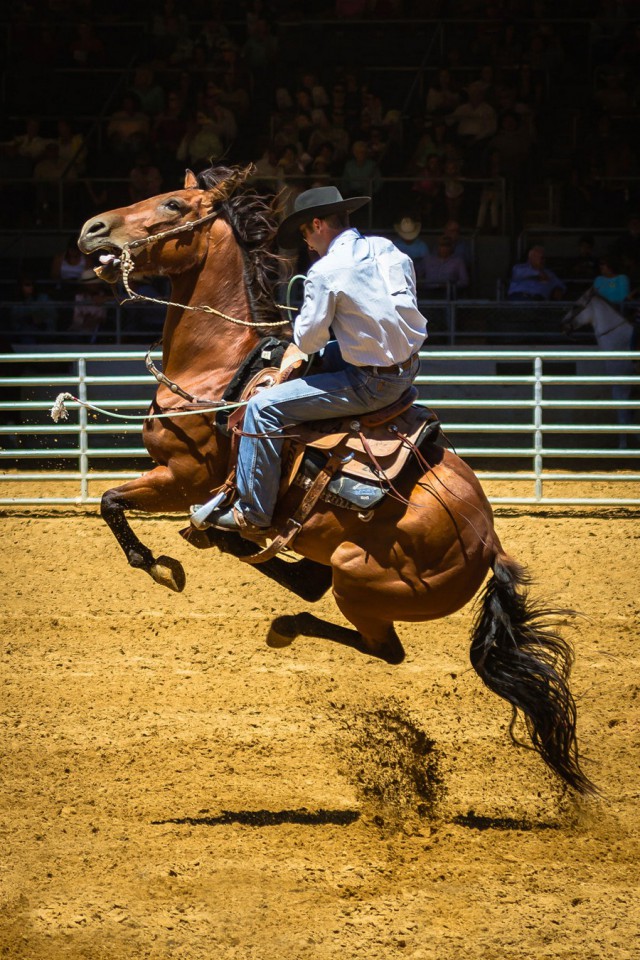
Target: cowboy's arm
[{"x": 312, "y": 326}]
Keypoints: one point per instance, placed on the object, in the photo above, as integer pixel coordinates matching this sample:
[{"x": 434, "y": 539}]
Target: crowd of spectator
[{"x": 234, "y": 82}]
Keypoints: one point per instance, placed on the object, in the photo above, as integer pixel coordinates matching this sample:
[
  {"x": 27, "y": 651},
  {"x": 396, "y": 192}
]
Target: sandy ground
[{"x": 172, "y": 787}]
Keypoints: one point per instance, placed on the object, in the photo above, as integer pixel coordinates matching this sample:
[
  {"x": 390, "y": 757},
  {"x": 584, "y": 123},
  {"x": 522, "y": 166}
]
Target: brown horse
[{"x": 412, "y": 562}]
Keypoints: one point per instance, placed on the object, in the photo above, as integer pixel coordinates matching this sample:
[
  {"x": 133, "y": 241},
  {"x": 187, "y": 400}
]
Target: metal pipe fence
[{"x": 533, "y": 411}]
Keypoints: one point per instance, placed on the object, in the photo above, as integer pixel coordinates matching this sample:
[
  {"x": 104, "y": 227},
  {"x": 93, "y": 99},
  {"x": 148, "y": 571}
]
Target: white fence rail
[{"x": 533, "y": 411}]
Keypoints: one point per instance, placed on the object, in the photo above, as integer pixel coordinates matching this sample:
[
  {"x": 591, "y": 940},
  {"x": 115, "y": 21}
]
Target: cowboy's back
[{"x": 363, "y": 292}]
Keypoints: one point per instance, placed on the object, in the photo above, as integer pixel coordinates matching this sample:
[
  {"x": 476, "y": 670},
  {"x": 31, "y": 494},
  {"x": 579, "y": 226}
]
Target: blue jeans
[{"x": 338, "y": 390}]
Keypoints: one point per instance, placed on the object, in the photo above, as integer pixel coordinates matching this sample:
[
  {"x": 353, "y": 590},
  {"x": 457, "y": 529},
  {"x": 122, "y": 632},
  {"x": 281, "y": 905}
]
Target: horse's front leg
[{"x": 153, "y": 492}]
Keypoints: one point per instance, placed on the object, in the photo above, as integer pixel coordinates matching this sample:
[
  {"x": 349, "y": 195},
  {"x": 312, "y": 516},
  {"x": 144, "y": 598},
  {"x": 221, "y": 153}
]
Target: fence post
[
  {"x": 83, "y": 439},
  {"x": 537, "y": 425}
]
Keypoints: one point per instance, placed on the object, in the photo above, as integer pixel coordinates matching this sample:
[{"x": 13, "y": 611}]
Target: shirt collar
[{"x": 351, "y": 233}]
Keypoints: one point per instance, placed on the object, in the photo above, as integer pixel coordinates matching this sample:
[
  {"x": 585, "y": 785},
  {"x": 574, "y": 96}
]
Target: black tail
[{"x": 518, "y": 654}]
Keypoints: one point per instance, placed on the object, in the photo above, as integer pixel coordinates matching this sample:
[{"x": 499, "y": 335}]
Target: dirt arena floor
[{"x": 174, "y": 788}]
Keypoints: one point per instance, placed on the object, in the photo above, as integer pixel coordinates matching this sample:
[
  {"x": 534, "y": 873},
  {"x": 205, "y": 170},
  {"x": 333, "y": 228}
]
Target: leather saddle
[
  {"x": 351, "y": 462},
  {"x": 372, "y": 449}
]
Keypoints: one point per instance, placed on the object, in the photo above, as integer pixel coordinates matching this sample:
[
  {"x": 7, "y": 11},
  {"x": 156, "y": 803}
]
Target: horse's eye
[{"x": 173, "y": 205}]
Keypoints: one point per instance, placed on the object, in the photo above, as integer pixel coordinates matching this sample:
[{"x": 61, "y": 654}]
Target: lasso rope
[{"x": 60, "y": 412}]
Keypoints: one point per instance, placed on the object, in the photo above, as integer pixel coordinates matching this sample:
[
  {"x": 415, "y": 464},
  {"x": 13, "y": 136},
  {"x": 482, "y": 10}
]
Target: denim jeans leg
[{"x": 319, "y": 397}]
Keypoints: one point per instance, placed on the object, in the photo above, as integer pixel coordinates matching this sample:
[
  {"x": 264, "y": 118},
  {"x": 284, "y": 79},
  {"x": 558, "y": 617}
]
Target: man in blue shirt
[
  {"x": 360, "y": 310},
  {"x": 532, "y": 281}
]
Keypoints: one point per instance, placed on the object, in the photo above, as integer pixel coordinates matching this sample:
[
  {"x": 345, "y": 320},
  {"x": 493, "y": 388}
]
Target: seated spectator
[
  {"x": 66, "y": 268},
  {"x": 611, "y": 284},
  {"x": 444, "y": 267},
  {"x": 68, "y": 265},
  {"x": 200, "y": 145},
  {"x": 512, "y": 143},
  {"x": 429, "y": 187},
  {"x": 532, "y": 281},
  {"x": 332, "y": 129},
  {"x": 267, "y": 171},
  {"x": 90, "y": 311},
  {"x": 407, "y": 238},
  {"x": 145, "y": 179},
  {"x": 170, "y": 126},
  {"x": 443, "y": 94},
  {"x": 361, "y": 175},
  {"x": 461, "y": 245},
  {"x": 378, "y": 147},
  {"x": 234, "y": 95},
  {"x": 585, "y": 265},
  {"x": 310, "y": 82},
  {"x": 289, "y": 163},
  {"x": 475, "y": 121},
  {"x": 221, "y": 119},
  {"x": 128, "y": 128},
  {"x": 435, "y": 140},
  {"x": 29, "y": 145},
  {"x": 288, "y": 135},
  {"x": 323, "y": 163},
  {"x": 149, "y": 92},
  {"x": 87, "y": 48}
]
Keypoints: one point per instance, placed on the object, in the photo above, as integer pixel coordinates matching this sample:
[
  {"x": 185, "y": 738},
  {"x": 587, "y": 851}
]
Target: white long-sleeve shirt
[{"x": 363, "y": 290}]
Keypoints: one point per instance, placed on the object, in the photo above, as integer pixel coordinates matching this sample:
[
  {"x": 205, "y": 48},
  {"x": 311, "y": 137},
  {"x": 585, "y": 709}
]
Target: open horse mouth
[
  {"x": 105, "y": 253},
  {"x": 110, "y": 265}
]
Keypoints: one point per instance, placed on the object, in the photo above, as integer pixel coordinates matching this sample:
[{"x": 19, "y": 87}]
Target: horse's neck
[
  {"x": 611, "y": 328},
  {"x": 201, "y": 347}
]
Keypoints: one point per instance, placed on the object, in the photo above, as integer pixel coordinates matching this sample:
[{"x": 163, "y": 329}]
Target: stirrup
[{"x": 200, "y": 511}]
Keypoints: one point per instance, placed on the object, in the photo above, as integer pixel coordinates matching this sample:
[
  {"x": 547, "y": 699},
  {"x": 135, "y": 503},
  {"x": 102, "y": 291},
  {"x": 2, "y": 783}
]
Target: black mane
[{"x": 252, "y": 218}]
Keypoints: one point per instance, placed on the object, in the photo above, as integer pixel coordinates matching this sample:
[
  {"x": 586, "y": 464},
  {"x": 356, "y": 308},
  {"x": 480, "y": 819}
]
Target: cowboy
[
  {"x": 360, "y": 313},
  {"x": 407, "y": 238}
]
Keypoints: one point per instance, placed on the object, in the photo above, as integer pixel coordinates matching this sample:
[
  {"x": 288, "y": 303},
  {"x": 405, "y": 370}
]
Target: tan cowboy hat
[
  {"x": 408, "y": 228},
  {"x": 318, "y": 202}
]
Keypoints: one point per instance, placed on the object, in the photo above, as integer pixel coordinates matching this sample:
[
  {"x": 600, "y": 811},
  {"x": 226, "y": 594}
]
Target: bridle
[{"x": 126, "y": 267}]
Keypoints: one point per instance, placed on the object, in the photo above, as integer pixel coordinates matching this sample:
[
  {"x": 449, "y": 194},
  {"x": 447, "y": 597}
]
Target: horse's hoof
[
  {"x": 168, "y": 573},
  {"x": 282, "y": 633}
]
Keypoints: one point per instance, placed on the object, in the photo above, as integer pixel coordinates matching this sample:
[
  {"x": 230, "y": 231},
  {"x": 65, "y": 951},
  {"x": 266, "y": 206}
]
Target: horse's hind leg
[
  {"x": 373, "y": 637},
  {"x": 147, "y": 493}
]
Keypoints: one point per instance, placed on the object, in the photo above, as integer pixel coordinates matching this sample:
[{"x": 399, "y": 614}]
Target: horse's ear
[{"x": 190, "y": 179}]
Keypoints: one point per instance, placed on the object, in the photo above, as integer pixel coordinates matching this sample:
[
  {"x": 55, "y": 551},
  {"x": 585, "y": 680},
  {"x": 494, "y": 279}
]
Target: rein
[
  {"x": 164, "y": 379},
  {"x": 127, "y": 265}
]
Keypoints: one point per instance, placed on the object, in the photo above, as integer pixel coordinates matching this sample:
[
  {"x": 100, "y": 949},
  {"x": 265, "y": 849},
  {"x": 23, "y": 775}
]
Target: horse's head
[
  {"x": 165, "y": 234},
  {"x": 578, "y": 315}
]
